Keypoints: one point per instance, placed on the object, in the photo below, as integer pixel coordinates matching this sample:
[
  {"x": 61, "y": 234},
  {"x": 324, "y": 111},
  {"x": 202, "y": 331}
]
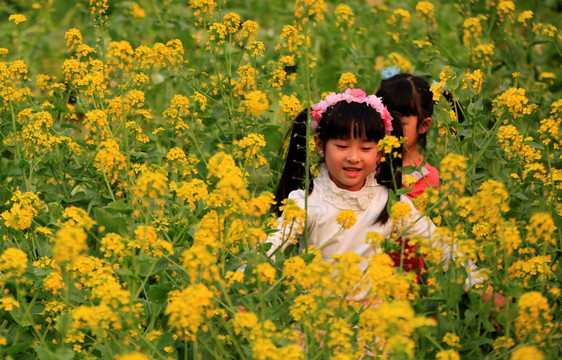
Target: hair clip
[{"x": 389, "y": 72}]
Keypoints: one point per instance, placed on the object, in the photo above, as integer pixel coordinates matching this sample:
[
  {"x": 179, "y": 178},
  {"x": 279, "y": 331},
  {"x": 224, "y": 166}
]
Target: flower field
[{"x": 142, "y": 142}]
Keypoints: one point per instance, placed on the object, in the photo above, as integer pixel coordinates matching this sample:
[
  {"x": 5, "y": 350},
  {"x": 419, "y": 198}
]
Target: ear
[
  {"x": 319, "y": 144},
  {"x": 424, "y": 125}
]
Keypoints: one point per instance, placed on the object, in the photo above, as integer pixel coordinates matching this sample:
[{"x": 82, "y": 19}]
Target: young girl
[
  {"x": 410, "y": 99},
  {"x": 410, "y": 96},
  {"x": 347, "y": 128}
]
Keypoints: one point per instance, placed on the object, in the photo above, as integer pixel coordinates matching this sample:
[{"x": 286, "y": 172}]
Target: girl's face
[
  {"x": 349, "y": 161},
  {"x": 412, "y": 131}
]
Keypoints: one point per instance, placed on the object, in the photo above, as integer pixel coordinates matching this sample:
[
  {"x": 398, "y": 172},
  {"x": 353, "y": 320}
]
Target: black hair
[
  {"x": 411, "y": 96},
  {"x": 341, "y": 121}
]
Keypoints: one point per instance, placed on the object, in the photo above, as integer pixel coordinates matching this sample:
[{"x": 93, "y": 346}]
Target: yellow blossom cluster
[
  {"x": 188, "y": 310},
  {"x": 534, "y": 319},
  {"x": 248, "y": 148},
  {"x": 347, "y": 80},
  {"x": 345, "y": 17},
  {"x": 24, "y": 207},
  {"x": 255, "y": 103},
  {"x": 515, "y": 101}
]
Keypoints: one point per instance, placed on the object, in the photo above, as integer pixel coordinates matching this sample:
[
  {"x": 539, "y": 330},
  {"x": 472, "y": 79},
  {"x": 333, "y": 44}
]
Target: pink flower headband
[{"x": 351, "y": 95}]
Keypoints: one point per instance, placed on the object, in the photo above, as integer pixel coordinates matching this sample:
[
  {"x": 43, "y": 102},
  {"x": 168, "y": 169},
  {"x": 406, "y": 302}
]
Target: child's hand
[{"x": 499, "y": 299}]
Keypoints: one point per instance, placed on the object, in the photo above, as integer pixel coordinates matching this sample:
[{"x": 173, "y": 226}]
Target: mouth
[{"x": 351, "y": 171}]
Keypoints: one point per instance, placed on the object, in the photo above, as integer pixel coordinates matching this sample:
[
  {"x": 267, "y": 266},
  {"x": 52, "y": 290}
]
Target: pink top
[{"x": 432, "y": 176}]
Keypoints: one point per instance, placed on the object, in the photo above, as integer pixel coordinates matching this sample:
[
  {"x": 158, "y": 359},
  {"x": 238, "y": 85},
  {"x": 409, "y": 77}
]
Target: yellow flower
[
  {"x": 505, "y": 9},
  {"x": 515, "y": 101},
  {"x": 303, "y": 305},
  {"x": 137, "y": 12},
  {"x": 78, "y": 217},
  {"x": 243, "y": 321},
  {"x": 437, "y": 89},
  {"x": 73, "y": 38},
  {"x": 255, "y": 103},
  {"x": 472, "y": 29},
  {"x": 290, "y": 105},
  {"x": 310, "y": 9},
  {"x": 346, "y": 218},
  {"x": 190, "y": 191},
  {"x": 527, "y": 352},
  {"x": 8, "y": 303},
  {"x": 447, "y": 355},
  {"x": 387, "y": 143},
  {"x": 25, "y": 206},
  {"x": 395, "y": 59},
  {"x": 248, "y": 149},
  {"x": 475, "y": 78},
  {"x": 17, "y": 18},
  {"x": 70, "y": 241},
  {"x": 453, "y": 174},
  {"x": 452, "y": 340},
  {"x": 133, "y": 356},
  {"x": 400, "y": 15},
  {"x": 13, "y": 262},
  {"x": 541, "y": 227},
  {"x": 524, "y": 16},
  {"x": 53, "y": 282},
  {"x": 425, "y": 9},
  {"x": 345, "y": 16},
  {"x": 266, "y": 273},
  {"x": 187, "y": 310},
  {"x": 400, "y": 210},
  {"x": 347, "y": 80},
  {"x": 534, "y": 317},
  {"x": 153, "y": 184}
]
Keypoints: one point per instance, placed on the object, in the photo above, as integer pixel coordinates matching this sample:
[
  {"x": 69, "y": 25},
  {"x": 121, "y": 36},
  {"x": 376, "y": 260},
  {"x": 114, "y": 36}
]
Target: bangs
[{"x": 351, "y": 120}]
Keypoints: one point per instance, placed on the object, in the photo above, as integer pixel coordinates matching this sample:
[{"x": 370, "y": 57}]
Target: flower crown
[{"x": 351, "y": 95}]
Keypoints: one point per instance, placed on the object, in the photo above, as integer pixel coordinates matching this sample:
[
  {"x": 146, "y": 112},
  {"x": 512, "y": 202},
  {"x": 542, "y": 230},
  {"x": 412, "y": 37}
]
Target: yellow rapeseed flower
[
  {"x": 425, "y": 9},
  {"x": 447, "y": 355},
  {"x": 400, "y": 210},
  {"x": 136, "y": 11},
  {"x": 347, "y": 80},
  {"x": 17, "y": 18},
  {"x": 8, "y": 303},
  {"x": 527, "y": 352},
  {"x": 534, "y": 317},
  {"x": 290, "y": 105},
  {"x": 541, "y": 228},
  {"x": 265, "y": 273},
  {"x": 187, "y": 309},
  {"x": 475, "y": 78},
  {"x": 346, "y": 218},
  {"x": 345, "y": 18},
  {"x": 70, "y": 241},
  {"x": 13, "y": 262},
  {"x": 255, "y": 103}
]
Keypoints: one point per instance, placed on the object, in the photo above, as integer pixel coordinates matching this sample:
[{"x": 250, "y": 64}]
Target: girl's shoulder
[{"x": 299, "y": 197}]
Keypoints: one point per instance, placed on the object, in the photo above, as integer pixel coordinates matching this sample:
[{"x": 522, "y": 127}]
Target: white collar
[{"x": 345, "y": 199}]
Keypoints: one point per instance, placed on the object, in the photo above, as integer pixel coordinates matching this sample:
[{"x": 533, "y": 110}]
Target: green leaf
[
  {"x": 113, "y": 223},
  {"x": 120, "y": 206},
  {"x": 17, "y": 348},
  {"x": 63, "y": 324},
  {"x": 44, "y": 353}
]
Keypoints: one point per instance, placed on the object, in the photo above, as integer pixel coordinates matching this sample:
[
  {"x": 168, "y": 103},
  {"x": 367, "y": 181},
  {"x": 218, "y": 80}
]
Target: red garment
[
  {"x": 411, "y": 262},
  {"x": 432, "y": 176}
]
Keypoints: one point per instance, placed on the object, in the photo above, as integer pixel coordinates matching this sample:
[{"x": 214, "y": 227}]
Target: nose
[{"x": 352, "y": 155}]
